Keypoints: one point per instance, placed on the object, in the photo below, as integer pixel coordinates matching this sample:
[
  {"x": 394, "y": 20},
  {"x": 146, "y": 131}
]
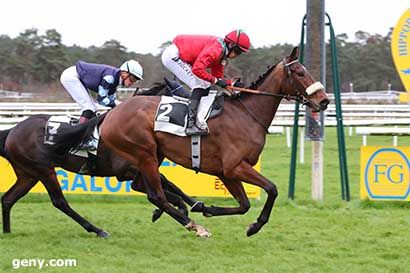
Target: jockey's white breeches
[
  {"x": 183, "y": 71},
  {"x": 71, "y": 82}
]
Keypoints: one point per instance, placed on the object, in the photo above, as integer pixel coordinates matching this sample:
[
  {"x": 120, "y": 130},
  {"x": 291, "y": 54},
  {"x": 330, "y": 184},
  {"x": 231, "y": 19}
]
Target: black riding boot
[
  {"x": 191, "y": 128},
  {"x": 86, "y": 115}
]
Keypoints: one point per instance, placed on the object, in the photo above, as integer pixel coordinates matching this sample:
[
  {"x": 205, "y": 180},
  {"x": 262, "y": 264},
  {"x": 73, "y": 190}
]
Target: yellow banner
[
  {"x": 400, "y": 48},
  {"x": 404, "y": 97},
  {"x": 385, "y": 173},
  {"x": 191, "y": 183}
]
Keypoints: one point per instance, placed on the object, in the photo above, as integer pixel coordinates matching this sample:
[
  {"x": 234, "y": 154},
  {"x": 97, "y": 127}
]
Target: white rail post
[
  {"x": 302, "y": 146},
  {"x": 288, "y": 136}
]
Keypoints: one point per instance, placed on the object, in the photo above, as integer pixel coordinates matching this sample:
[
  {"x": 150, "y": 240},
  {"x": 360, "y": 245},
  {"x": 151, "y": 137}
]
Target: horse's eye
[{"x": 300, "y": 73}]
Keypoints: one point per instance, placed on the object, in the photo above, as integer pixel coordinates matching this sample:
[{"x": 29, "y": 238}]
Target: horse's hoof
[
  {"x": 198, "y": 207},
  {"x": 203, "y": 233},
  {"x": 103, "y": 234},
  {"x": 206, "y": 214},
  {"x": 200, "y": 231},
  {"x": 156, "y": 214},
  {"x": 252, "y": 229}
]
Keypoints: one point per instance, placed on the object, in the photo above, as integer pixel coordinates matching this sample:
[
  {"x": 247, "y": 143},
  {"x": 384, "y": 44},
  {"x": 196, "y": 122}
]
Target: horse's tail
[
  {"x": 3, "y": 137},
  {"x": 74, "y": 136}
]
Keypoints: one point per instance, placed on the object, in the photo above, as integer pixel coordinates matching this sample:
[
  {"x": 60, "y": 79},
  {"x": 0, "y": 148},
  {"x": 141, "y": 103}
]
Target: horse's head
[{"x": 300, "y": 84}]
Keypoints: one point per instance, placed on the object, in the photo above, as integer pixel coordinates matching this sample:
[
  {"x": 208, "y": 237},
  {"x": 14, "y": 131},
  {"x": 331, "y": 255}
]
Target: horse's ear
[{"x": 295, "y": 54}]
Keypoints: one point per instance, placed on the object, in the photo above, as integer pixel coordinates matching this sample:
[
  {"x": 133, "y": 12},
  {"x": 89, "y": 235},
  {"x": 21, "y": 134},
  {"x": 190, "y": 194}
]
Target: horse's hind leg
[
  {"x": 17, "y": 191},
  {"x": 171, "y": 187},
  {"x": 52, "y": 185},
  {"x": 156, "y": 196},
  {"x": 174, "y": 199}
]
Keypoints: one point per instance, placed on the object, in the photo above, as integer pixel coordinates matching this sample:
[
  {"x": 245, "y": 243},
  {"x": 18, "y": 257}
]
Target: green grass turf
[{"x": 301, "y": 236}]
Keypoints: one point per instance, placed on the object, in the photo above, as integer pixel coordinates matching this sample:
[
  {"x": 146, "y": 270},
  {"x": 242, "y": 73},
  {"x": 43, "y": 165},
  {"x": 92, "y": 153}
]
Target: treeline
[{"x": 34, "y": 62}]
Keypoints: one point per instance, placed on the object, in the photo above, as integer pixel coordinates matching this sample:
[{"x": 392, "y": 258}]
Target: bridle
[{"x": 299, "y": 97}]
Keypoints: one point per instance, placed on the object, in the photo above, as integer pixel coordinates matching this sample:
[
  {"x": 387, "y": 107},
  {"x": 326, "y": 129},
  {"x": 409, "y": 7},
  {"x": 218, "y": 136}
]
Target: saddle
[{"x": 171, "y": 115}]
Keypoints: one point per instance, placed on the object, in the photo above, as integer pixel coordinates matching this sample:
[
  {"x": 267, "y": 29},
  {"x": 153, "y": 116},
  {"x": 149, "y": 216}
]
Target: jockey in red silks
[{"x": 190, "y": 56}]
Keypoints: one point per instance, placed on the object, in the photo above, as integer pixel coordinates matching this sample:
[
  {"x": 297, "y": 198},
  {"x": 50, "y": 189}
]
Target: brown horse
[
  {"x": 23, "y": 146},
  {"x": 233, "y": 146}
]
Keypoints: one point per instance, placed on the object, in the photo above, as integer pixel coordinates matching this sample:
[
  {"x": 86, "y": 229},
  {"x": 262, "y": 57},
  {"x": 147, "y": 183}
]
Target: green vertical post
[
  {"x": 344, "y": 176},
  {"x": 292, "y": 176}
]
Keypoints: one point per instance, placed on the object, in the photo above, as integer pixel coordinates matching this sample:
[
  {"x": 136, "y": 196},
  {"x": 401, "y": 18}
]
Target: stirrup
[
  {"x": 194, "y": 130},
  {"x": 90, "y": 145}
]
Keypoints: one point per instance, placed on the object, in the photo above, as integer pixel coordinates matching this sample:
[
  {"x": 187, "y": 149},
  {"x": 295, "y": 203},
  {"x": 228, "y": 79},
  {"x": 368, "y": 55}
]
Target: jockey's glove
[
  {"x": 222, "y": 83},
  {"x": 107, "y": 101}
]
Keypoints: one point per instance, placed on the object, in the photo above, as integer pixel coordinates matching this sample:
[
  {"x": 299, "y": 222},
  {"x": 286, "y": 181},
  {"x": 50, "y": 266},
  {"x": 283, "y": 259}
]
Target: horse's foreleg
[
  {"x": 244, "y": 172},
  {"x": 50, "y": 181},
  {"x": 235, "y": 187},
  {"x": 17, "y": 191}
]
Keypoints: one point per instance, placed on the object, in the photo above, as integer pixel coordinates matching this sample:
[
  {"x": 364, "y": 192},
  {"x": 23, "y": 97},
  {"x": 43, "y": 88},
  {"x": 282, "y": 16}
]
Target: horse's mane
[
  {"x": 158, "y": 89},
  {"x": 262, "y": 77}
]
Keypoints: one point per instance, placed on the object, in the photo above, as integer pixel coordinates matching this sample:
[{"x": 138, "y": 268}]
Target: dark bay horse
[
  {"x": 32, "y": 161},
  {"x": 233, "y": 146}
]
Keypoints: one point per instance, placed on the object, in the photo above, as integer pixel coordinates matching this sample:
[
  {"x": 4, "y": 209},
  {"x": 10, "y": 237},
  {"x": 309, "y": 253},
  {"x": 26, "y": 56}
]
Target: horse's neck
[{"x": 264, "y": 107}]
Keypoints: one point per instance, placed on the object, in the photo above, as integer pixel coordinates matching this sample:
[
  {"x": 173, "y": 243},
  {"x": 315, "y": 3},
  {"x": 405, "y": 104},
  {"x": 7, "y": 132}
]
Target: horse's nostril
[{"x": 324, "y": 103}]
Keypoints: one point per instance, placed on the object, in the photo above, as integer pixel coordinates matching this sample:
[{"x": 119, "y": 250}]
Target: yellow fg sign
[
  {"x": 385, "y": 173},
  {"x": 190, "y": 182},
  {"x": 400, "y": 48}
]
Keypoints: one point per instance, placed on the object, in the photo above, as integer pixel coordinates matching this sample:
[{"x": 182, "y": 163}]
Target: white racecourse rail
[{"x": 353, "y": 114}]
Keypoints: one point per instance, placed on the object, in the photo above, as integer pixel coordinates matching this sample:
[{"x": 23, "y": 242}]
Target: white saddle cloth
[{"x": 169, "y": 118}]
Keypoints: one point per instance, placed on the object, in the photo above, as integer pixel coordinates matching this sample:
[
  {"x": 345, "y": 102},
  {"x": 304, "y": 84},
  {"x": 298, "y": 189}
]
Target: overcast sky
[{"x": 143, "y": 25}]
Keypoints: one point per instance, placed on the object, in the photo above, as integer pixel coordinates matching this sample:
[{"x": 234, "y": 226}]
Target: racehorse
[
  {"x": 23, "y": 146},
  {"x": 233, "y": 146}
]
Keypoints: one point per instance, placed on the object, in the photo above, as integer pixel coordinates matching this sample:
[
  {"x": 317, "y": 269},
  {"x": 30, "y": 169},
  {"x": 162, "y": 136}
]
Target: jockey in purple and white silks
[{"x": 100, "y": 78}]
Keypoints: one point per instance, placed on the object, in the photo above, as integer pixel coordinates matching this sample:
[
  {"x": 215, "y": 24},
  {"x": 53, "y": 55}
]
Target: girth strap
[{"x": 196, "y": 152}]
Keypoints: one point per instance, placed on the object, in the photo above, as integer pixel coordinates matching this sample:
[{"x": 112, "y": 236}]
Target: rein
[
  {"x": 298, "y": 97},
  {"x": 253, "y": 116}
]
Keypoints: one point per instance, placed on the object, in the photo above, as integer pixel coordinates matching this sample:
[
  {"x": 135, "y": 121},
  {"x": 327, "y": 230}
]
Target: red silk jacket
[{"x": 202, "y": 52}]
